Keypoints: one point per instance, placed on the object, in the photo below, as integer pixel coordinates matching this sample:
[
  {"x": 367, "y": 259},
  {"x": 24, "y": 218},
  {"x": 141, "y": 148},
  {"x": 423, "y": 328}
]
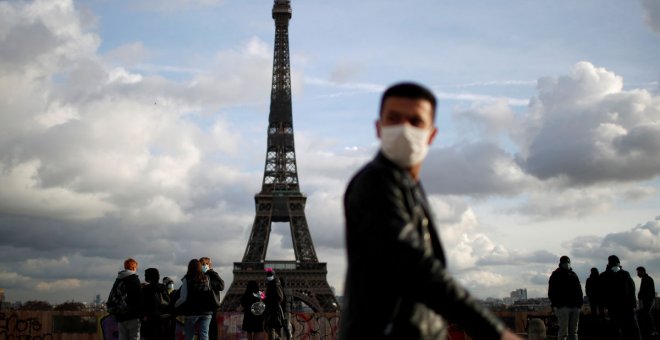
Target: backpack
[{"x": 117, "y": 303}]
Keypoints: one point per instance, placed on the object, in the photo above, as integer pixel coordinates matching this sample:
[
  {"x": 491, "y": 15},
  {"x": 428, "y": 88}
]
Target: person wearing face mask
[
  {"x": 170, "y": 321},
  {"x": 390, "y": 229},
  {"x": 620, "y": 300},
  {"x": 565, "y": 293},
  {"x": 218, "y": 285},
  {"x": 169, "y": 283},
  {"x": 273, "y": 314},
  {"x": 196, "y": 302}
]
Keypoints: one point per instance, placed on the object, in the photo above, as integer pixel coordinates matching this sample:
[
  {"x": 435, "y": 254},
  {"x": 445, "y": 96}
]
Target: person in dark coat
[
  {"x": 565, "y": 293},
  {"x": 217, "y": 285},
  {"x": 593, "y": 292},
  {"x": 195, "y": 301},
  {"x": 129, "y": 322},
  {"x": 170, "y": 321},
  {"x": 389, "y": 223},
  {"x": 620, "y": 300},
  {"x": 273, "y": 315},
  {"x": 253, "y": 324},
  {"x": 155, "y": 301},
  {"x": 286, "y": 309},
  {"x": 646, "y": 298}
]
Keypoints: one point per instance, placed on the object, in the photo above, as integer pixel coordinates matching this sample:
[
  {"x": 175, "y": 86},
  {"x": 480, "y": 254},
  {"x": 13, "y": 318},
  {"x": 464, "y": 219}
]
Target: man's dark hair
[
  {"x": 642, "y": 269},
  {"x": 151, "y": 275},
  {"x": 411, "y": 91}
]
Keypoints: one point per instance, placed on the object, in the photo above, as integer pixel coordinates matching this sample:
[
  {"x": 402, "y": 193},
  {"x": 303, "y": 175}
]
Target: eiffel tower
[{"x": 280, "y": 199}]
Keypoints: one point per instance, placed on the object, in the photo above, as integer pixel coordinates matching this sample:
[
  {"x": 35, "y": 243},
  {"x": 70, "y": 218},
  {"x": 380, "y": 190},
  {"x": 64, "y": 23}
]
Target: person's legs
[
  {"x": 204, "y": 322},
  {"x": 213, "y": 327},
  {"x": 562, "y": 314},
  {"x": 630, "y": 326},
  {"x": 122, "y": 331},
  {"x": 189, "y": 326},
  {"x": 646, "y": 318},
  {"x": 129, "y": 330},
  {"x": 573, "y": 321}
]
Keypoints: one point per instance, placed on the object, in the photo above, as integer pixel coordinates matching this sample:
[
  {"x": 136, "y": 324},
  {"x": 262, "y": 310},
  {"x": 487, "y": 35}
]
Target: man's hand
[{"x": 508, "y": 335}]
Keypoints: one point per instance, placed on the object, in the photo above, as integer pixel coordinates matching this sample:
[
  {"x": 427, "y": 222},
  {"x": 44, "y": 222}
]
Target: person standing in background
[
  {"x": 217, "y": 285},
  {"x": 620, "y": 300},
  {"x": 273, "y": 315},
  {"x": 593, "y": 292},
  {"x": 195, "y": 301},
  {"x": 646, "y": 298},
  {"x": 155, "y": 303},
  {"x": 128, "y": 319},
  {"x": 253, "y": 319},
  {"x": 565, "y": 293}
]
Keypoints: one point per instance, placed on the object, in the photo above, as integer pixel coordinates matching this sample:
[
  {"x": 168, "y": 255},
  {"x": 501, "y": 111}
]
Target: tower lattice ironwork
[{"x": 280, "y": 199}]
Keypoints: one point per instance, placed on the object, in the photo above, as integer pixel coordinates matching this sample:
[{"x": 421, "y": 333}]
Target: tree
[
  {"x": 36, "y": 305},
  {"x": 70, "y": 306}
]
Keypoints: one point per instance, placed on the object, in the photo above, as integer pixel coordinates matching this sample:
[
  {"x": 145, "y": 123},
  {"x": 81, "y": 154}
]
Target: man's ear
[
  {"x": 433, "y": 134},
  {"x": 378, "y": 128}
]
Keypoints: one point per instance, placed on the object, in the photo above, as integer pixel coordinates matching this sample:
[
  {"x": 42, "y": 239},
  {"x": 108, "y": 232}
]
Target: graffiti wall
[
  {"x": 35, "y": 325},
  {"x": 50, "y": 325},
  {"x": 304, "y": 326}
]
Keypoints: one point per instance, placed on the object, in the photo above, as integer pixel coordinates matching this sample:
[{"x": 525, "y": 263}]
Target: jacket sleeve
[
  {"x": 217, "y": 284},
  {"x": 183, "y": 294},
  {"x": 552, "y": 289},
  {"x": 631, "y": 292},
  {"x": 377, "y": 206}
]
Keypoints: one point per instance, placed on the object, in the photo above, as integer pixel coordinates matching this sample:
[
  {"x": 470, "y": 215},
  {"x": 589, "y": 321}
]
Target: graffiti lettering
[{"x": 14, "y": 327}]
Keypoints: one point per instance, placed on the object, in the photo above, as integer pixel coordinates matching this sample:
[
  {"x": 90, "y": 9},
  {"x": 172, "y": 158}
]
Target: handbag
[{"x": 258, "y": 308}]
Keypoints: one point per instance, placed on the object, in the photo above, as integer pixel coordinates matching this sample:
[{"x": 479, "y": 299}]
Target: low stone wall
[{"x": 51, "y": 325}]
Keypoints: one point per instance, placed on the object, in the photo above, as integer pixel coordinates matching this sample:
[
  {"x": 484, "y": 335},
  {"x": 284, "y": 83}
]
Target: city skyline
[{"x": 139, "y": 130}]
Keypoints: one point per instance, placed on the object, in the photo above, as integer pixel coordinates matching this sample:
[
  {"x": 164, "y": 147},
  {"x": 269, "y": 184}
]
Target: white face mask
[
  {"x": 404, "y": 145},
  {"x": 205, "y": 268},
  {"x": 565, "y": 266},
  {"x": 270, "y": 278},
  {"x": 616, "y": 268},
  {"x": 170, "y": 286}
]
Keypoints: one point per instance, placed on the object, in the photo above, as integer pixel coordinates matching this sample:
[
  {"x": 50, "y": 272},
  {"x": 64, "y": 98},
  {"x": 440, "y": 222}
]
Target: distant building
[{"x": 519, "y": 295}]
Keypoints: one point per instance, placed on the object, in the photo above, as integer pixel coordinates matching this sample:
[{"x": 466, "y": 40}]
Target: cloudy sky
[{"x": 138, "y": 128}]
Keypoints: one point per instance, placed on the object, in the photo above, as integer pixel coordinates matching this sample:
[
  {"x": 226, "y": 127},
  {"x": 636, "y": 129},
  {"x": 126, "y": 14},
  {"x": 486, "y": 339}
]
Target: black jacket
[
  {"x": 564, "y": 289},
  {"x": 273, "y": 315},
  {"x": 155, "y": 300},
  {"x": 217, "y": 284},
  {"x": 397, "y": 285},
  {"x": 593, "y": 289},
  {"x": 133, "y": 295},
  {"x": 618, "y": 291},
  {"x": 198, "y": 299},
  {"x": 646, "y": 290}
]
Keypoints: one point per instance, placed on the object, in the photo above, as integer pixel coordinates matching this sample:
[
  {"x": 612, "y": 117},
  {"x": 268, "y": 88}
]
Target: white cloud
[
  {"x": 585, "y": 128},
  {"x": 64, "y": 284},
  {"x": 23, "y": 194},
  {"x": 490, "y": 118},
  {"x": 130, "y": 54}
]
